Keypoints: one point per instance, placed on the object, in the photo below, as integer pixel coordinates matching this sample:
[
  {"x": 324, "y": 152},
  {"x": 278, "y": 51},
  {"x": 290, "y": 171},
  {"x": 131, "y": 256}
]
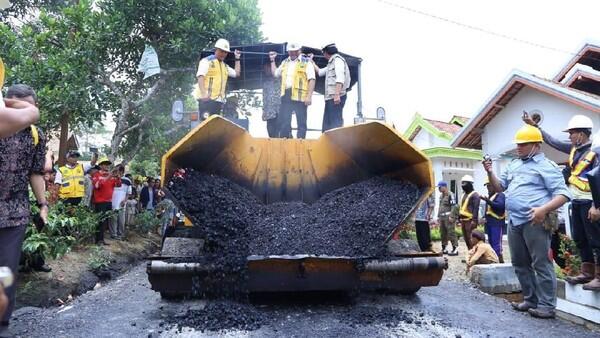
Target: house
[
  {"x": 574, "y": 90},
  {"x": 449, "y": 164}
]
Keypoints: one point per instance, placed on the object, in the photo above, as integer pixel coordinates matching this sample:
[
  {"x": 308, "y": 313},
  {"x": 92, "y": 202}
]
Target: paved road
[{"x": 127, "y": 307}]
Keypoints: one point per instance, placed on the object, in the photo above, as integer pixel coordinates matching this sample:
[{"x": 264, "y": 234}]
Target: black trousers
[
  {"x": 333, "y": 116},
  {"x": 103, "y": 225},
  {"x": 585, "y": 233},
  {"x": 11, "y": 240},
  {"x": 72, "y": 201},
  {"x": 211, "y": 107},
  {"x": 273, "y": 127},
  {"x": 285, "y": 116},
  {"x": 423, "y": 235}
]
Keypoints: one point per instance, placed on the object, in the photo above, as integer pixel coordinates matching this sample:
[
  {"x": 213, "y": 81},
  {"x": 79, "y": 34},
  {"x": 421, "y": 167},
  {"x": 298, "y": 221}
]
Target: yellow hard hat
[
  {"x": 104, "y": 159},
  {"x": 528, "y": 134}
]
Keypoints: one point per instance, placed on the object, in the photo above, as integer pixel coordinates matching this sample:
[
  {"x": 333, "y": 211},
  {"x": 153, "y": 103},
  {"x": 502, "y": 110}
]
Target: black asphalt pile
[
  {"x": 351, "y": 221},
  {"x": 221, "y": 316}
]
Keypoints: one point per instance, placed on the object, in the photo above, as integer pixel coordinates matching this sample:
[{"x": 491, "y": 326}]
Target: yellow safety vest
[
  {"x": 300, "y": 82},
  {"x": 463, "y": 208},
  {"x": 72, "y": 182},
  {"x": 490, "y": 212},
  {"x": 577, "y": 178},
  {"x": 215, "y": 80}
]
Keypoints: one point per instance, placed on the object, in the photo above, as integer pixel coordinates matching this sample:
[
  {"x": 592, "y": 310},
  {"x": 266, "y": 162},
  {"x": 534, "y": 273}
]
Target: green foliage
[
  {"x": 145, "y": 168},
  {"x": 99, "y": 259},
  {"x": 81, "y": 57},
  {"x": 146, "y": 221},
  {"x": 67, "y": 227}
]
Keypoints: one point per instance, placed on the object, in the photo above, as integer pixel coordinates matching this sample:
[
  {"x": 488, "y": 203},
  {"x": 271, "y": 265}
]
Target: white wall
[
  {"x": 425, "y": 140},
  {"x": 498, "y": 135}
]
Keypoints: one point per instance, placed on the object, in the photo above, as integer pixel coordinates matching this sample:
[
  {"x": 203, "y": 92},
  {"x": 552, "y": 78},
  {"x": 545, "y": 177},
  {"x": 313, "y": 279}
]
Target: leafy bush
[
  {"x": 99, "y": 259},
  {"x": 68, "y": 226},
  {"x": 146, "y": 221}
]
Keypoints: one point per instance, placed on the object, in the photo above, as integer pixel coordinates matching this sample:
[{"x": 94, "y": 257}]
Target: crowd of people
[
  {"x": 525, "y": 199},
  {"x": 97, "y": 185},
  {"x": 287, "y": 87}
]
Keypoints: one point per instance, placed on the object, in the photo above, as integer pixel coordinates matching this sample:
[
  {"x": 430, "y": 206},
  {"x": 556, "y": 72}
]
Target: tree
[{"x": 97, "y": 46}]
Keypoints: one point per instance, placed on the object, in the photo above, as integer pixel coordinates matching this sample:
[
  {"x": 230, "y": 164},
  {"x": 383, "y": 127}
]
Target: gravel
[{"x": 221, "y": 316}]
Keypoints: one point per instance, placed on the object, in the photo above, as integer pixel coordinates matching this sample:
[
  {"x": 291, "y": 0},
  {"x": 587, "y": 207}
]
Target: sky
[{"x": 414, "y": 63}]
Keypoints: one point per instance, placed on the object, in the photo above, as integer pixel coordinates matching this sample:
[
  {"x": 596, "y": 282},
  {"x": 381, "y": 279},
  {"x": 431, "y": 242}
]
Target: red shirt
[{"x": 104, "y": 184}]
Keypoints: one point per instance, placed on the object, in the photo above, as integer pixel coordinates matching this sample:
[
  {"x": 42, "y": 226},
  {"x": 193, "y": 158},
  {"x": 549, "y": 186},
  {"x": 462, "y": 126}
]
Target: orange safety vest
[
  {"x": 490, "y": 212},
  {"x": 578, "y": 170},
  {"x": 463, "y": 208}
]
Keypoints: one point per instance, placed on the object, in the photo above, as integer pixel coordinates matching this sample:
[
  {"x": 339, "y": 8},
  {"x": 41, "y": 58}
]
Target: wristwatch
[{"x": 41, "y": 204}]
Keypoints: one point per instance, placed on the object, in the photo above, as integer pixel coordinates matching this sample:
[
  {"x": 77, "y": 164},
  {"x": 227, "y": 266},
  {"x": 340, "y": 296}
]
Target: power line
[{"x": 475, "y": 28}]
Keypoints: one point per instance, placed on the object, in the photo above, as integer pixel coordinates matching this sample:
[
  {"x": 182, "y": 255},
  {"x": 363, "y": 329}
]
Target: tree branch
[{"x": 150, "y": 92}]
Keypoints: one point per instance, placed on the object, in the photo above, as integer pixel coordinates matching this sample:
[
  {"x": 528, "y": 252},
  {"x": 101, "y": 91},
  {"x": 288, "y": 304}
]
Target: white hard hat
[
  {"x": 223, "y": 44},
  {"x": 292, "y": 47},
  {"x": 579, "y": 122},
  {"x": 467, "y": 178}
]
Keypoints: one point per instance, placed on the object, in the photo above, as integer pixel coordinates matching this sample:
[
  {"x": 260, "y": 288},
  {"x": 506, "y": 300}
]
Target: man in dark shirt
[{"x": 21, "y": 164}]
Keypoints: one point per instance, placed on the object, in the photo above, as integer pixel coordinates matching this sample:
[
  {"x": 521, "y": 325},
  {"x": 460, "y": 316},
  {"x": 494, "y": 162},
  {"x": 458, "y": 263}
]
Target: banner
[{"x": 149, "y": 63}]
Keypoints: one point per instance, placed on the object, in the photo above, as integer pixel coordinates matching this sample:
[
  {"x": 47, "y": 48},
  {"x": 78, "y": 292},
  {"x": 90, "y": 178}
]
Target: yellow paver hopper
[{"x": 304, "y": 170}]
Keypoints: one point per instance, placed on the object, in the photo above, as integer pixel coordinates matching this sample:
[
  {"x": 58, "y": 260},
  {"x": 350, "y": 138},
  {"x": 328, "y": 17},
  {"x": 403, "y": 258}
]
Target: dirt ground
[{"x": 71, "y": 275}]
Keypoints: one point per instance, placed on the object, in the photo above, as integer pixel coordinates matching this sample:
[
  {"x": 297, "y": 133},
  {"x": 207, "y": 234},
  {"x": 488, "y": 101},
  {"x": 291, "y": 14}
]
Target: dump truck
[{"x": 287, "y": 170}]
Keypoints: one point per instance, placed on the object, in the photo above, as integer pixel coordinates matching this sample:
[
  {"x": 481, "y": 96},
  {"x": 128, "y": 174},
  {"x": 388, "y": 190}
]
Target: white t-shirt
[
  {"x": 203, "y": 69},
  {"x": 289, "y": 81},
  {"x": 120, "y": 194},
  {"x": 58, "y": 177}
]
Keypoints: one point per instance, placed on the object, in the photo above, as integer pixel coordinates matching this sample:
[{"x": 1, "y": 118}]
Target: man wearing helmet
[
  {"x": 582, "y": 159},
  {"x": 212, "y": 77},
  {"x": 297, "y": 75},
  {"x": 534, "y": 187}
]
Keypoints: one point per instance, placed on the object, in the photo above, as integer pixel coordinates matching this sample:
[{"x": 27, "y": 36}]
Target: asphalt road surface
[{"x": 127, "y": 307}]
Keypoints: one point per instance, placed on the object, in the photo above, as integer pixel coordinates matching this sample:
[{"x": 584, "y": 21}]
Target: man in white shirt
[
  {"x": 337, "y": 82},
  {"x": 119, "y": 198},
  {"x": 297, "y": 75},
  {"x": 212, "y": 77}
]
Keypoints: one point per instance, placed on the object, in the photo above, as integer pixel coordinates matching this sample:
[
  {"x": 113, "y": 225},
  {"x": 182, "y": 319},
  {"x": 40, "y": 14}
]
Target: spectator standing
[
  {"x": 447, "y": 228},
  {"x": 21, "y": 164},
  {"x": 469, "y": 209},
  {"x": 297, "y": 75},
  {"x": 89, "y": 187},
  {"x": 71, "y": 178},
  {"x": 120, "y": 196},
  {"x": 104, "y": 184},
  {"x": 337, "y": 82},
  {"x": 494, "y": 218},
  {"x": 582, "y": 159},
  {"x": 148, "y": 195},
  {"x": 271, "y": 93},
  {"x": 534, "y": 187},
  {"x": 51, "y": 188},
  {"x": 422, "y": 221},
  {"x": 212, "y": 76}
]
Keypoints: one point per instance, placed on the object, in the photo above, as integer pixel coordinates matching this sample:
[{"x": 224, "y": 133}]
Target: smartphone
[{"x": 6, "y": 276}]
